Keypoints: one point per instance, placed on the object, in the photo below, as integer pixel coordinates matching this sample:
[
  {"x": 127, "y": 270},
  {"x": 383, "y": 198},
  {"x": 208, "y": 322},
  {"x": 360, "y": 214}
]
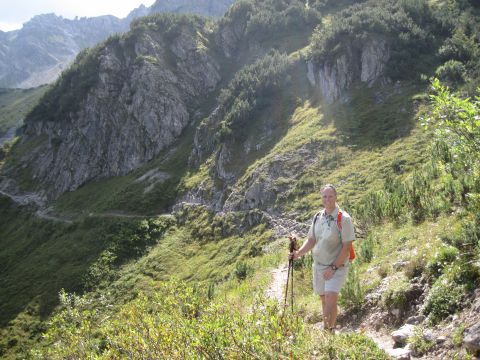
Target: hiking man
[{"x": 330, "y": 236}]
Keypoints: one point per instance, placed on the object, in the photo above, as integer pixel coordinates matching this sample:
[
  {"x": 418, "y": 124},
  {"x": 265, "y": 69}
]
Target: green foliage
[
  {"x": 446, "y": 295},
  {"x": 348, "y": 346},
  {"x": 452, "y": 72},
  {"x": 243, "y": 96},
  {"x": 174, "y": 321},
  {"x": 352, "y": 294},
  {"x": 444, "y": 257},
  {"x": 241, "y": 270},
  {"x": 396, "y": 296},
  {"x": 366, "y": 250},
  {"x": 270, "y": 20},
  {"x": 70, "y": 89},
  {"x": 271, "y": 17},
  {"x": 457, "y": 336},
  {"x": 404, "y": 24},
  {"x": 456, "y": 122},
  {"x": 416, "y": 266},
  {"x": 15, "y": 104},
  {"x": 418, "y": 343},
  {"x": 124, "y": 240},
  {"x": 170, "y": 25}
]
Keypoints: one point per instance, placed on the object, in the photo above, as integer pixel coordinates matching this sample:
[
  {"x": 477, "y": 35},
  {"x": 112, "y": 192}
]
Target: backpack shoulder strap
[
  {"x": 339, "y": 219},
  {"x": 314, "y": 222}
]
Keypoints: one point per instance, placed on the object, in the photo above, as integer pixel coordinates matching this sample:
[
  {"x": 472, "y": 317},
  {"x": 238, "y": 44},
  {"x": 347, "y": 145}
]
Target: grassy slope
[
  {"x": 15, "y": 104},
  {"x": 178, "y": 253},
  {"x": 359, "y": 163}
]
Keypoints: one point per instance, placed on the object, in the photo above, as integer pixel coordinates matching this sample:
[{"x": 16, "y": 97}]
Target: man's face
[{"x": 329, "y": 198}]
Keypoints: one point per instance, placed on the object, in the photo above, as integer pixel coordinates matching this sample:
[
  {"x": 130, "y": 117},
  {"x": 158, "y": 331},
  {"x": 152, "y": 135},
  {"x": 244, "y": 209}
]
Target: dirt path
[
  {"x": 276, "y": 290},
  {"x": 46, "y": 213}
]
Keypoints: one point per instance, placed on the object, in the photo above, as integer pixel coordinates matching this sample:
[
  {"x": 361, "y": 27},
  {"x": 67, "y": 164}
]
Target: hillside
[
  {"x": 14, "y": 106},
  {"x": 152, "y": 187},
  {"x": 47, "y": 44}
]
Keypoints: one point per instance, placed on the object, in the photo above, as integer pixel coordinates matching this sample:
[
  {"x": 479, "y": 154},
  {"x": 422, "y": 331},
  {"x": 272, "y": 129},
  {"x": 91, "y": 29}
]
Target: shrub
[
  {"x": 445, "y": 256},
  {"x": 404, "y": 24},
  {"x": 396, "y": 296},
  {"x": 445, "y": 296},
  {"x": 239, "y": 101},
  {"x": 352, "y": 294},
  {"x": 418, "y": 343},
  {"x": 241, "y": 270},
  {"x": 452, "y": 71},
  {"x": 366, "y": 250},
  {"x": 457, "y": 336},
  {"x": 416, "y": 266},
  {"x": 172, "y": 321}
]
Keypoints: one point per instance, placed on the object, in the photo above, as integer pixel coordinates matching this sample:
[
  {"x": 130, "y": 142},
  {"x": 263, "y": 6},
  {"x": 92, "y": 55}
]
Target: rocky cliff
[
  {"x": 201, "y": 7},
  {"x": 139, "y": 103},
  {"x": 47, "y": 44},
  {"x": 365, "y": 63}
]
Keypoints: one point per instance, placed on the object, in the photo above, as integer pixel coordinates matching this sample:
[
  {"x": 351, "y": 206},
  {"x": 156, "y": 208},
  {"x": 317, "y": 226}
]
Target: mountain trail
[{"x": 276, "y": 290}]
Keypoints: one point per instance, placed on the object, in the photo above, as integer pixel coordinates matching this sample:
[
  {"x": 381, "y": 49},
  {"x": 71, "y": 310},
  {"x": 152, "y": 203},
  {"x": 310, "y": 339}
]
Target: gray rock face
[
  {"x": 400, "y": 354},
  {"x": 335, "y": 76},
  {"x": 472, "y": 339},
  {"x": 37, "y": 53},
  {"x": 47, "y": 44},
  {"x": 375, "y": 54},
  {"x": 138, "y": 107},
  {"x": 401, "y": 335},
  {"x": 202, "y": 7}
]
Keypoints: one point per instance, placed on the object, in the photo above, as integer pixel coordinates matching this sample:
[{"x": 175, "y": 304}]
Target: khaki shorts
[{"x": 321, "y": 286}]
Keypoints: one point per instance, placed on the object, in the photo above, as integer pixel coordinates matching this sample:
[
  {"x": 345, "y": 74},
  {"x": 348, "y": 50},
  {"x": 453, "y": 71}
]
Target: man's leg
[
  {"x": 330, "y": 309},
  {"x": 322, "y": 297}
]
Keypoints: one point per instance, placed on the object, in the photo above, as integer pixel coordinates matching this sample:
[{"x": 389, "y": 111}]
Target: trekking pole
[
  {"x": 286, "y": 287},
  {"x": 292, "y": 248}
]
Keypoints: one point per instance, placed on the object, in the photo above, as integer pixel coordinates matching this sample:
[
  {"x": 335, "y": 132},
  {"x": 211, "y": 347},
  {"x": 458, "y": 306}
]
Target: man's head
[{"x": 329, "y": 197}]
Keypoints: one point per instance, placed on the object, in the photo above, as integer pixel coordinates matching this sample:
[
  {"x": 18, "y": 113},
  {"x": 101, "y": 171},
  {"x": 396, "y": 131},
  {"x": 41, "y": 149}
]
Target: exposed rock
[
  {"x": 335, "y": 76},
  {"x": 428, "y": 335},
  {"x": 37, "y": 53},
  {"x": 401, "y": 335},
  {"x": 441, "y": 339},
  {"x": 202, "y": 7},
  {"x": 47, "y": 44},
  {"x": 395, "y": 312},
  {"x": 415, "y": 320},
  {"x": 138, "y": 107},
  {"x": 374, "y": 57},
  {"x": 471, "y": 341},
  {"x": 400, "y": 353},
  {"x": 222, "y": 159},
  {"x": 399, "y": 265}
]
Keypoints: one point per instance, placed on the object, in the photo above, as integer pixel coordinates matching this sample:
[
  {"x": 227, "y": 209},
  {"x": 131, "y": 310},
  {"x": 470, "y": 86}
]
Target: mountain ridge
[
  {"x": 281, "y": 98},
  {"x": 47, "y": 44}
]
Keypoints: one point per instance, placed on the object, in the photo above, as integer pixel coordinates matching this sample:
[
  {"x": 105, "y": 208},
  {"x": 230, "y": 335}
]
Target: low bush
[
  {"x": 174, "y": 321},
  {"x": 445, "y": 296}
]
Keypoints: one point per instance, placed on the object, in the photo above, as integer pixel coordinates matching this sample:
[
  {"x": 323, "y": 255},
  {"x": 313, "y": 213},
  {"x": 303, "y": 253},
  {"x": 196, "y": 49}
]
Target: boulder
[
  {"x": 400, "y": 353},
  {"x": 401, "y": 335},
  {"x": 471, "y": 341}
]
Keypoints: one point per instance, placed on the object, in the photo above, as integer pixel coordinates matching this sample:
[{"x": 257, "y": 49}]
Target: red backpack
[{"x": 339, "y": 226}]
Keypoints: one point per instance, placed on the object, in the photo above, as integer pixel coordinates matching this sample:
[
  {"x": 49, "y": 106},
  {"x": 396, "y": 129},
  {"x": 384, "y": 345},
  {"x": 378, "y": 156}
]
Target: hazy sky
[{"x": 13, "y": 13}]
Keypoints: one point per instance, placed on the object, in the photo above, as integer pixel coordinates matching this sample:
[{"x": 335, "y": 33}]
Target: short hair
[{"x": 329, "y": 186}]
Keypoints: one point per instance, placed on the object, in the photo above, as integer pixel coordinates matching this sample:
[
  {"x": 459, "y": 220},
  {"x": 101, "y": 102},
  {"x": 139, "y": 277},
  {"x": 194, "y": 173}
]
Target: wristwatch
[{"x": 334, "y": 267}]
